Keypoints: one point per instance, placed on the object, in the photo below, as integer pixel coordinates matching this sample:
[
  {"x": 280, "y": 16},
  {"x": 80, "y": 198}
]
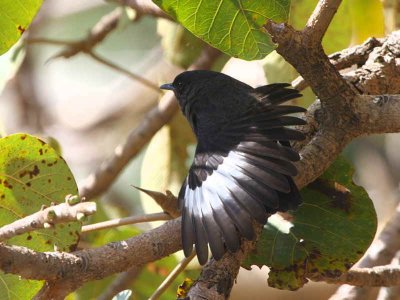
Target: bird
[{"x": 243, "y": 165}]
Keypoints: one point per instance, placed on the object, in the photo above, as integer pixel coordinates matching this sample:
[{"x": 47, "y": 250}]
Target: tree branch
[
  {"x": 356, "y": 55},
  {"x": 320, "y": 19},
  {"x": 60, "y": 213},
  {"x": 126, "y": 221},
  {"x": 74, "y": 269},
  {"x": 377, "y": 276}
]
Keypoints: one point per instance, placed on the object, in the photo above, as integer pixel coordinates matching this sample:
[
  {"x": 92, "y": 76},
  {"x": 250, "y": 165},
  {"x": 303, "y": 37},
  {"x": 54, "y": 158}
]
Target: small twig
[
  {"x": 61, "y": 213},
  {"x": 171, "y": 277},
  {"x": 388, "y": 275},
  {"x": 126, "y": 221},
  {"x": 120, "y": 283},
  {"x": 41, "y": 40},
  {"x": 86, "y": 45},
  {"x": 113, "y": 66},
  {"x": 96, "y": 35}
]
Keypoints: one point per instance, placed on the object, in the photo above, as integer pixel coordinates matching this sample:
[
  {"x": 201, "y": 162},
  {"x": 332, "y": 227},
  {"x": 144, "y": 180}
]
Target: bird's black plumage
[{"x": 243, "y": 165}]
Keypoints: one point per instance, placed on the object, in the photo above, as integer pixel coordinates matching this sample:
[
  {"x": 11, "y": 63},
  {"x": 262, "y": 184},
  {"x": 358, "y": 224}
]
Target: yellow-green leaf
[
  {"x": 15, "y": 17},
  {"x": 32, "y": 174}
]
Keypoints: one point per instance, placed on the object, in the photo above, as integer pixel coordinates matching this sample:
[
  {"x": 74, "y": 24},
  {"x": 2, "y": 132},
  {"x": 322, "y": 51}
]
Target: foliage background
[{"x": 89, "y": 109}]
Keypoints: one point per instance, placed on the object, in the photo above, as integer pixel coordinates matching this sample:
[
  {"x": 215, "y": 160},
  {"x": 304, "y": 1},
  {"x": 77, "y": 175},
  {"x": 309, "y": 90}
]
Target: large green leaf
[
  {"x": 32, "y": 174},
  {"x": 233, "y": 26},
  {"x": 326, "y": 235},
  {"x": 15, "y": 17}
]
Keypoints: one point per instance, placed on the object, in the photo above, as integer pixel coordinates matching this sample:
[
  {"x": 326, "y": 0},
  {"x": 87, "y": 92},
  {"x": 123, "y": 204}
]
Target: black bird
[{"x": 243, "y": 165}]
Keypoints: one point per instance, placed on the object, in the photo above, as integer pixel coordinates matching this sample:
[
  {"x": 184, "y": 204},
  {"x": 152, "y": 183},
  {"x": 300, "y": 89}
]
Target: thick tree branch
[
  {"x": 356, "y": 55},
  {"x": 85, "y": 265}
]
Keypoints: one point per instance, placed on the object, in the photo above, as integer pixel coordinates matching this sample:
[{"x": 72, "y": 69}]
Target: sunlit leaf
[
  {"x": 328, "y": 234},
  {"x": 32, "y": 174},
  {"x": 15, "y": 17},
  {"x": 233, "y": 26}
]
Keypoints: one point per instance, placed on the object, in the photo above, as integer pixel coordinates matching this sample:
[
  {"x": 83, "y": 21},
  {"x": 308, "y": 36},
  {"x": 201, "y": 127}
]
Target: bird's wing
[{"x": 241, "y": 175}]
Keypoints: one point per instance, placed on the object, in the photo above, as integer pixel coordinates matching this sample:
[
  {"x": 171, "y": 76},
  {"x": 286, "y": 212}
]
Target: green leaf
[
  {"x": 328, "y": 234},
  {"x": 32, "y": 174},
  {"x": 15, "y": 17},
  {"x": 233, "y": 26}
]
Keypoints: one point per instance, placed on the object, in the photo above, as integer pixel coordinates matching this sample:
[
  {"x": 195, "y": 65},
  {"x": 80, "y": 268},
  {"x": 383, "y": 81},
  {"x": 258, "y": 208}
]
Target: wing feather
[{"x": 241, "y": 173}]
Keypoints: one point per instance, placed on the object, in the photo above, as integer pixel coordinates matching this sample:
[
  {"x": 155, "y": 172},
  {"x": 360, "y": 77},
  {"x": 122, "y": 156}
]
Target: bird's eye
[{"x": 179, "y": 84}]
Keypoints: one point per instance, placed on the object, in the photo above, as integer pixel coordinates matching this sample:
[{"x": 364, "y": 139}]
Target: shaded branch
[
  {"x": 86, "y": 45},
  {"x": 95, "y": 36}
]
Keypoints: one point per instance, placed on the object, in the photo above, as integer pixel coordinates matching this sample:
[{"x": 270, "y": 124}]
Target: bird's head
[{"x": 189, "y": 85}]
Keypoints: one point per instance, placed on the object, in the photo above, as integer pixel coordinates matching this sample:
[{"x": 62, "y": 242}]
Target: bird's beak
[{"x": 167, "y": 86}]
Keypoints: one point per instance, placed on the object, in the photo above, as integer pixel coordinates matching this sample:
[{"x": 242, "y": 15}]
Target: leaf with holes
[
  {"x": 15, "y": 17},
  {"x": 328, "y": 233},
  {"x": 232, "y": 26},
  {"x": 32, "y": 174}
]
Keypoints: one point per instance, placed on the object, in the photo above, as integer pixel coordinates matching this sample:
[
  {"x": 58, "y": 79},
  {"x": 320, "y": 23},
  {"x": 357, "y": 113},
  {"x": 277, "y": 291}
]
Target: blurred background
[{"x": 87, "y": 109}]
